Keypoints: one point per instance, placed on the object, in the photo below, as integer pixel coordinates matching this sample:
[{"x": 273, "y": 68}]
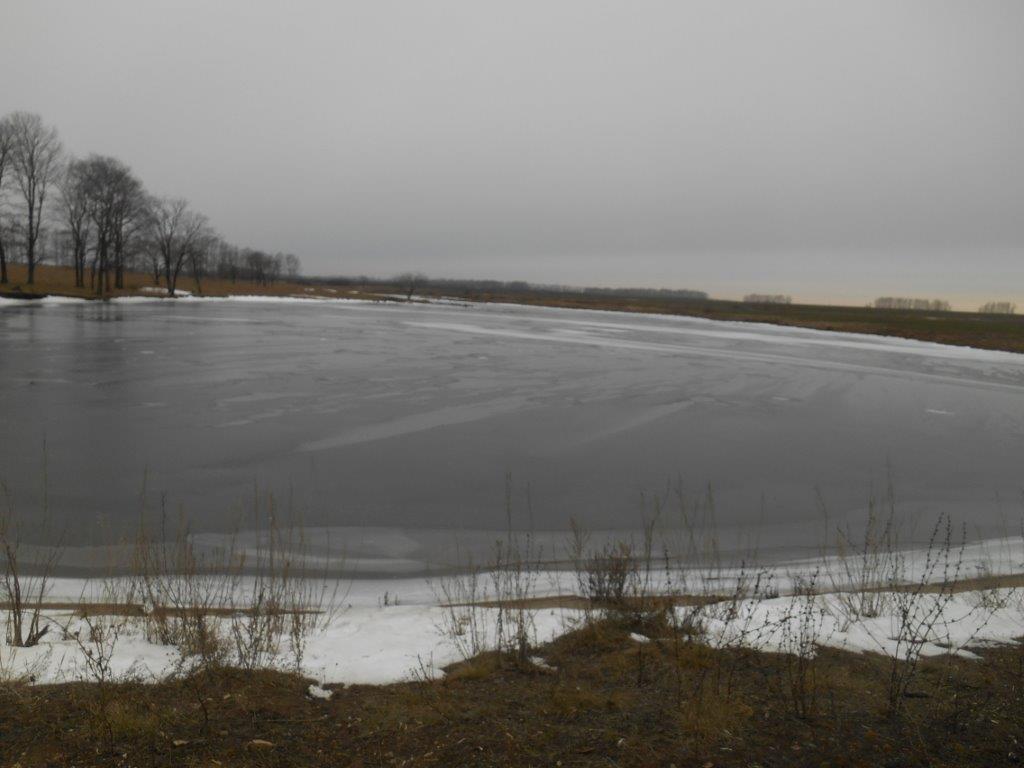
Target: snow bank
[
  {"x": 390, "y": 630},
  {"x": 161, "y": 294},
  {"x": 379, "y": 645},
  {"x": 372, "y": 646},
  {"x": 157, "y": 290},
  {"x": 258, "y": 299},
  {"x": 153, "y": 293},
  {"x": 45, "y": 301},
  {"x": 929, "y": 623}
]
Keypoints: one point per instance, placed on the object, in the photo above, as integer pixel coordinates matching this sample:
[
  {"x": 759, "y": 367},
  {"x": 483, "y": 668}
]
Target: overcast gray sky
[{"x": 832, "y": 150}]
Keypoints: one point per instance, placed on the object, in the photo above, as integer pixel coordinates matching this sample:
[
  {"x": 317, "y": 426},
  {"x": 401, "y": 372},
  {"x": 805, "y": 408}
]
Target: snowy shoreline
[
  {"x": 392, "y": 630},
  {"x": 390, "y": 644}
]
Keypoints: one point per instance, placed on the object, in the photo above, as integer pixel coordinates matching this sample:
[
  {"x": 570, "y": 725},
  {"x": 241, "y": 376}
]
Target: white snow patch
[
  {"x": 242, "y": 299},
  {"x": 935, "y": 624},
  {"x": 380, "y": 645},
  {"x": 162, "y": 292},
  {"x": 259, "y": 299},
  {"x": 46, "y": 301},
  {"x": 366, "y": 646}
]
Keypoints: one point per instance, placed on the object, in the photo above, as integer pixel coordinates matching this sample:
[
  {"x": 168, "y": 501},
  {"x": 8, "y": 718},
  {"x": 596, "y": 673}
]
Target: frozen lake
[{"x": 401, "y": 421}]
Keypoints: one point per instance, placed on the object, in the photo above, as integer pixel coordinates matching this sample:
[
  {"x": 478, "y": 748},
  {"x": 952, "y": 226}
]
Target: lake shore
[
  {"x": 971, "y": 329},
  {"x": 803, "y": 678}
]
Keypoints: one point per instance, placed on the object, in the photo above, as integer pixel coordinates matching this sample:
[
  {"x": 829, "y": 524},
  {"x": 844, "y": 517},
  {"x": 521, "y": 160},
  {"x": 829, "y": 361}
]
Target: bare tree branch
[{"x": 36, "y": 159}]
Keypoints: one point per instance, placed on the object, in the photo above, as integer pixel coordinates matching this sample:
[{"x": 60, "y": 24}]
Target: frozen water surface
[{"x": 397, "y": 424}]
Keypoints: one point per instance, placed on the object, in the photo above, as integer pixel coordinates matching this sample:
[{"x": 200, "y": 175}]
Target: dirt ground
[{"x": 607, "y": 700}]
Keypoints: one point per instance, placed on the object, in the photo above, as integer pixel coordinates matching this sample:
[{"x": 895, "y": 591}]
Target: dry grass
[
  {"x": 60, "y": 281},
  {"x": 568, "y": 601},
  {"x": 650, "y": 602},
  {"x": 491, "y": 712},
  {"x": 601, "y": 694},
  {"x": 99, "y": 608},
  {"x": 660, "y": 601}
]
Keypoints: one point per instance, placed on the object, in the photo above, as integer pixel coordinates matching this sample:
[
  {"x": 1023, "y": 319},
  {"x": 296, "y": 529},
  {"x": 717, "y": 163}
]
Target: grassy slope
[{"x": 610, "y": 701}]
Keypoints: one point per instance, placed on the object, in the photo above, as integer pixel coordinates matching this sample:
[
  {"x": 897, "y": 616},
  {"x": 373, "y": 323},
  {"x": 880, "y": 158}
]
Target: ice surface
[{"x": 407, "y": 418}]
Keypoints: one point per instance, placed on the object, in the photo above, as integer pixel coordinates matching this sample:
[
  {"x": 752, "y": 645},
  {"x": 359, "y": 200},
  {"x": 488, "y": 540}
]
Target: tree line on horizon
[
  {"x": 940, "y": 305},
  {"x": 998, "y": 308},
  {"x": 95, "y": 215},
  {"x": 409, "y": 282},
  {"x": 768, "y": 298},
  {"x": 901, "y": 302}
]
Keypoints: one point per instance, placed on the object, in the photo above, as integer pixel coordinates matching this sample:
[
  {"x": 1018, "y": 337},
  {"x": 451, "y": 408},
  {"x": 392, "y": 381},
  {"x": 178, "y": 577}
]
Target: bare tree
[
  {"x": 274, "y": 267},
  {"x": 254, "y": 263},
  {"x": 6, "y": 153},
  {"x": 409, "y": 282},
  {"x": 200, "y": 250},
  {"x": 263, "y": 268},
  {"x": 177, "y": 233},
  {"x": 165, "y": 227},
  {"x": 74, "y": 212},
  {"x": 104, "y": 212},
  {"x": 222, "y": 259},
  {"x": 100, "y": 192},
  {"x": 150, "y": 246},
  {"x": 116, "y": 206},
  {"x": 36, "y": 156},
  {"x": 229, "y": 261},
  {"x": 130, "y": 215},
  {"x": 292, "y": 265}
]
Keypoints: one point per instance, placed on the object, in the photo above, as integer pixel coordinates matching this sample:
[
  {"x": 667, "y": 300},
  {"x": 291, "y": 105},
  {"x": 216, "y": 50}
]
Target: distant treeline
[
  {"x": 93, "y": 214},
  {"x": 899, "y": 302},
  {"x": 410, "y": 282},
  {"x": 998, "y": 308},
  {"x": 767, "y": 298},
  {"x": 938, "y": 305}
]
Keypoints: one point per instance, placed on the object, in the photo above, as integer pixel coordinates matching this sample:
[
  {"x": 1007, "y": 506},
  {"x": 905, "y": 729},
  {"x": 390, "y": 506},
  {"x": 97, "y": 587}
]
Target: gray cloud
[{"x": 831, "y": 150}]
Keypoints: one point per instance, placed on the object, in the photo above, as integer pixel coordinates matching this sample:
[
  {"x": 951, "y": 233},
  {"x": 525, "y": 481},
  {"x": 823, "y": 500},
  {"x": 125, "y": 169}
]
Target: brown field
[
  {"x": 609, "y": 701},
  {"x": 1003, "y": 332}
]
